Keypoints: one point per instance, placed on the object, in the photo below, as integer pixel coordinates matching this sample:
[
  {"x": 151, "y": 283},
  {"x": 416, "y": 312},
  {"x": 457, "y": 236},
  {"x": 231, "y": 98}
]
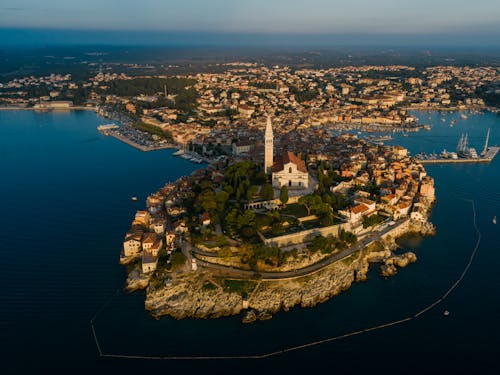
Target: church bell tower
[{"x": 269, "y": 146}]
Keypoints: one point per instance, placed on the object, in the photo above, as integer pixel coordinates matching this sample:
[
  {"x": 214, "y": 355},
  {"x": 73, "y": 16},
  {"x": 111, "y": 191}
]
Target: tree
[
  {"x": 348, "y": 237},
  {"x": 231, "y": 220},
  {"x": 246, "y": 220},
  {"x": 284, "y": 194},
  {"x": 221, "y": 199},
  {"x": 311, "y": 202},
  {"x": 251, "y": 191},
  {"x": 267, "y": 192},
  {"x": 207, "y": 200},
  {"x": 371, "y": 220}
]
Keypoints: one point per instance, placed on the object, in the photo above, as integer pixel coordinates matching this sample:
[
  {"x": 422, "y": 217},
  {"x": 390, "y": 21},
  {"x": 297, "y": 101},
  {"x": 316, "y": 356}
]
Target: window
[{"x": 290, "y": 170}]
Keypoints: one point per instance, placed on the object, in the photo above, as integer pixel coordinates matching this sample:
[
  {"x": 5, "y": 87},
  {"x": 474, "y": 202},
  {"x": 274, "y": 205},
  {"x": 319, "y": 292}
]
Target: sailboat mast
[{"x": 485, "y": 150}]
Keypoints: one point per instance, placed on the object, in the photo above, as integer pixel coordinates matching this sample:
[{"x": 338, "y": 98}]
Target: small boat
[
  {"x": 446, "y": 313},
  {"x": 494, "y": 219},
  {"x": 134, "y": 199}
]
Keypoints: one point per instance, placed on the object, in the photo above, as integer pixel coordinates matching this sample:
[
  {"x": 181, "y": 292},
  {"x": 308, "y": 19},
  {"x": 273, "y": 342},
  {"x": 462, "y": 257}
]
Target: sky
[{"x": 479, "y": 18}]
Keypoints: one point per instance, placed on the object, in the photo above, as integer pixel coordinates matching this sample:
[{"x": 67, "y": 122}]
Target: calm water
[{"x": 65, "y": 196}]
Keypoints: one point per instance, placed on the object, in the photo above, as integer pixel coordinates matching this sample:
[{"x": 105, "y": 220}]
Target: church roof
[{"x": 289, "y": 157}]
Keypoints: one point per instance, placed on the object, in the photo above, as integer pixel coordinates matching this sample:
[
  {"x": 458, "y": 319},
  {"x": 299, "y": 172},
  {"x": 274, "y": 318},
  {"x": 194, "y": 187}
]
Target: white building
[{"x": 290, "y": 171}]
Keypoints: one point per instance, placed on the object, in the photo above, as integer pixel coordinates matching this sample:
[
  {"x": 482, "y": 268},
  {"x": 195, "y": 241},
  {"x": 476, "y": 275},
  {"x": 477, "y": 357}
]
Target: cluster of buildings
[
  {"x": 157, "y": 228},
  {"x": 235, "y": 102},
  {"x": 404, "y": 190}
]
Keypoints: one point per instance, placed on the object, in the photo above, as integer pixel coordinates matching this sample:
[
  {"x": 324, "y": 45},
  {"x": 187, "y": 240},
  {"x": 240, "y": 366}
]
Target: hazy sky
[{"x": 258, "y": 16}]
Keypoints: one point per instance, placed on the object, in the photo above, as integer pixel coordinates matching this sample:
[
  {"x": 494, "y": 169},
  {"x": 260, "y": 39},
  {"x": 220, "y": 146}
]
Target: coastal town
[
  {"x": 277, "y": 214},
  {"x": 293, "y": 204}
]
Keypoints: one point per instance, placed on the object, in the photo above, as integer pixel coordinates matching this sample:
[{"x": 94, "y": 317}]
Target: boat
[
  {"x": 178, "y": 152},
  {"x": 494, "y": 219},
  {"x": 134, "y": 199}
]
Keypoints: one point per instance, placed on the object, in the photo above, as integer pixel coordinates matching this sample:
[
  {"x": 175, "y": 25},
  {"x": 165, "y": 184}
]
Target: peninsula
[{"x": 275, "y": 225}]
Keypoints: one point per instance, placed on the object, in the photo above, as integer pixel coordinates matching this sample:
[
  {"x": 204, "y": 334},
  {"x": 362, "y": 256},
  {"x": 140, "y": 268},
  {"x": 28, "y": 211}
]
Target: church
[{"x": 288, "y": 169}]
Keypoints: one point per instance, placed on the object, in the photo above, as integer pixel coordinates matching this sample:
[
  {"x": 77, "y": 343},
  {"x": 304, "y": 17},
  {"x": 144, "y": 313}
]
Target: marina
[{"x": 463, "y": 154}]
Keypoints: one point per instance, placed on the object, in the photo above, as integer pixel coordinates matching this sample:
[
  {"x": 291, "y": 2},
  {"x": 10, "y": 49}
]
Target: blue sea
[{"x": 65, "y": 196}]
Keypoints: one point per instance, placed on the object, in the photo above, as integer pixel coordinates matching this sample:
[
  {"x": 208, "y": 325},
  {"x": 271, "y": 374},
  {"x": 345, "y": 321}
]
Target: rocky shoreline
[{"x": 202, "y": 295}]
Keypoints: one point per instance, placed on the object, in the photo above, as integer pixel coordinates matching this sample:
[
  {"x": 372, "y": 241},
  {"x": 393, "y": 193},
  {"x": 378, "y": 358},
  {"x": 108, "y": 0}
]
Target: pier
[
  {"x": 488, "y": 157},
  {"x": 464, "y": 154},
  {"x": 139, "y": 146}
]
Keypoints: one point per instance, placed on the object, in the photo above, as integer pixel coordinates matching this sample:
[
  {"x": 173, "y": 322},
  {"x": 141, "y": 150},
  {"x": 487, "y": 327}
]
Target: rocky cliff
[
  {"x": 197, "y": 295},
  {"x": 202, "y": 294}
]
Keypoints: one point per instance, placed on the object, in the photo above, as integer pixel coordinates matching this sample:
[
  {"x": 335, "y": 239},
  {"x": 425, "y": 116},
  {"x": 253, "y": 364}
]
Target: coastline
[
  {"x": 203, "y": 295},
  {"x": 209, "y": 294}
]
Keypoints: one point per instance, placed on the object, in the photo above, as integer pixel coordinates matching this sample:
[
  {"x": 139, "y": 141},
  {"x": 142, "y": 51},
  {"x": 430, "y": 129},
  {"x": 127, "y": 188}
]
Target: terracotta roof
[
  {"x": 359, "y": 209},
  {"x": 289, "y": 157}
]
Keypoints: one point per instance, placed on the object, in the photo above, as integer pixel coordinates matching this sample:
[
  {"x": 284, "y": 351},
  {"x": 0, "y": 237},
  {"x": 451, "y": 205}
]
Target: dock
[
  {"x": 142, "y": 147},
  {"x": 487, "y": 158},
  {"x": 464, "y": 154}
]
